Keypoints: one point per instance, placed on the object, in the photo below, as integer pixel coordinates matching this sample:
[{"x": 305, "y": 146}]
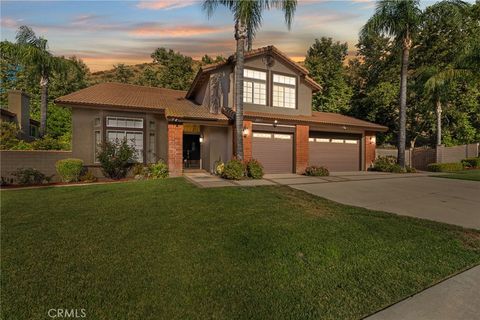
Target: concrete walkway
[{"x": 457, "y": 298}]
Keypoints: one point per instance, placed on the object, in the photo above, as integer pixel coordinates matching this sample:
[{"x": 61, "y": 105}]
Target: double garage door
[{"x": 337, "y": 152}]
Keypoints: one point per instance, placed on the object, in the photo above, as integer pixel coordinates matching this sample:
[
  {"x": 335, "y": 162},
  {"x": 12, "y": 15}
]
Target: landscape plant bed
[
  {"x": 165, "y": 249},
  {"x": 59, "y": 183}
]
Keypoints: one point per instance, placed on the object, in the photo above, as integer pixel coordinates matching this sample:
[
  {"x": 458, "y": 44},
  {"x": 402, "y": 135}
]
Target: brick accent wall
[
  {"x": 175, "y": 149},
  {"x": 247, "y": 141},
  {"x": 301, "y": 148},
  {"x": 370, "y": 146},
  {"x": 42, "y": 160}
]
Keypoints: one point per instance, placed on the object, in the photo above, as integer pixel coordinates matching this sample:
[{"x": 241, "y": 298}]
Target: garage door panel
[
  {"x": 274, "y": 151},
  {"x": 335, "y": 152}
]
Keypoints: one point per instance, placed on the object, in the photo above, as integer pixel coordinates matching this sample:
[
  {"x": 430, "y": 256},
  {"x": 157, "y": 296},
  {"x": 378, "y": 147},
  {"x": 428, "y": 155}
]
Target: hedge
[
  {"x": 472, "y": 163},
  {"x": 70, "y": 169},
  {"x": 445, "y": 167}
]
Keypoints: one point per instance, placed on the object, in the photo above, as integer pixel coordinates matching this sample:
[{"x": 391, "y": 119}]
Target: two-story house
[{"x": 194, "y": 129}]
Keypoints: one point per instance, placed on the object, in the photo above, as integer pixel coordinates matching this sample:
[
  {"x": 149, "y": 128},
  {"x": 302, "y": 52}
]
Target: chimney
[{"x": 19, "y": 103}]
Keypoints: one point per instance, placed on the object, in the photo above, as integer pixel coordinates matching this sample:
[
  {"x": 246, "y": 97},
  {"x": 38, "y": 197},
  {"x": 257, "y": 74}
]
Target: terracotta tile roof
[
  {"x": 326, "y": 118},
  {"x": 127, "y": 96},
  {"x": 7, "y": 113},
  {"x": 205, "y": 70}
]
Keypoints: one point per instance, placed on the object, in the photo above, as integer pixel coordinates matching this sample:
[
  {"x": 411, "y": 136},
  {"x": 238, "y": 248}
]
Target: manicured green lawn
[
  {"x": 473, "y": 175},
  {"x": 168, "y": 250}
]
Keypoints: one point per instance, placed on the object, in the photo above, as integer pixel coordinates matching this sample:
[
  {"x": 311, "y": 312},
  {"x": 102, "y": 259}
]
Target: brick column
[
  {"x": 175, "y": 149},
  {"x": 301, "y": 148},
  {"x": 370, "y": 145},
  {"x": 247, "y": 140}
]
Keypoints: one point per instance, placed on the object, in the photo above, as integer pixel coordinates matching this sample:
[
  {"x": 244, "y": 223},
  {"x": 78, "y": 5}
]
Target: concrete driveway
[{"x": 445, "y": 200}]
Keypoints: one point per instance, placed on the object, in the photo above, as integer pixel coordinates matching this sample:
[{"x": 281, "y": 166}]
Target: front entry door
[{"x": 191, "y": 151}]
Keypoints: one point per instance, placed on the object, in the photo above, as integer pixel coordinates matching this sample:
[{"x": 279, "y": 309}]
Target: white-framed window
[
  {"x": 262, "y": 135},
  {"x": 337, "y": 140},
  {"x": 120, "y": 122},
  {"x": 282, "y": 136},
  {"x": 254, "y": 87},
  {"x": 151, "y": 147},
  {"x": 351, "y": 141},
  {"x": 97, "y": 141},
  {"x": 322, "y": 140},
  {"x": 284, "y": 91},
  {"x": 134, "y": 139}
]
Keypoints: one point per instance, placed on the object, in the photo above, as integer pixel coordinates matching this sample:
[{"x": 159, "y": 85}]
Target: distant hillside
[{"x": 109, "y": 75}]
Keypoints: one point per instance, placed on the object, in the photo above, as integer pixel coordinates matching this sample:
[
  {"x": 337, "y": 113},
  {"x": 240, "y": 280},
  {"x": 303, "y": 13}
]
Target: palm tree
[
  {"x": 248, "y": 19},
  {"x": 399, "y": 19},
  {"x": 32, "y": 51},
  {"x": 465, "y": 68}
]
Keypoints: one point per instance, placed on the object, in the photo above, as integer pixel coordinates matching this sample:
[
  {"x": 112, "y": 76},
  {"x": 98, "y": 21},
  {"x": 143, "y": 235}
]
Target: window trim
[
  {"x": 126, "y": 131},
  {"x": 253, "y": 81},
  {"x": 125, "y": 118},
  {"x": 295, "y": 87},
  {"x": 96, "y": 145}
]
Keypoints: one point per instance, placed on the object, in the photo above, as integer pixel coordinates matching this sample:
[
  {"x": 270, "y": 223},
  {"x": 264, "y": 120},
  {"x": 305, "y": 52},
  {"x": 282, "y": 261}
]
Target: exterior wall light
[
  {"x": 245, "y": 132},
  {"x": 201, "y": 139},
  {"x": 373, "y": 140},
  {"x": 275, "y": 123}
]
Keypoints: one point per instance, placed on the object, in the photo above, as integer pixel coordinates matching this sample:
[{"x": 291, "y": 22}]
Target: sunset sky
[{"x": 103, "y": 33}]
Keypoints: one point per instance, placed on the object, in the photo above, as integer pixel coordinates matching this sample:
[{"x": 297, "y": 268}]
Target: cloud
[
  {"x": 10, "y": 23},
  {"x": 155, "y": 29},
  {"x": 164, "y": 4}
]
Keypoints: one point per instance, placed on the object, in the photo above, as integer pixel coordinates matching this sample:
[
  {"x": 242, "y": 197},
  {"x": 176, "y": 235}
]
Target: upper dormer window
[
  {"x": 284, "y": 91},
  {"x": 254, "y": 87}
]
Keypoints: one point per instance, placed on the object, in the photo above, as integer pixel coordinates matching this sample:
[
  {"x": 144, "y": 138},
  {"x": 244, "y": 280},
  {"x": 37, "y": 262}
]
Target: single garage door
[
  {"x": 336, "y": 152},
  {"x": 274, "y": 151}
]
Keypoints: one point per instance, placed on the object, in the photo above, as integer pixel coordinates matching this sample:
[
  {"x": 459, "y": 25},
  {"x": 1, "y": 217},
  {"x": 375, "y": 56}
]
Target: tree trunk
[
  {"x": 403, "y": 104},
  {"x": 439, "y": 122},
  {"x": 43, "y": 104},
  {"x": 240, "y": 35}
]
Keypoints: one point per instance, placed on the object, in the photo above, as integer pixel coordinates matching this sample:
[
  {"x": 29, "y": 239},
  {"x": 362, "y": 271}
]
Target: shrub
[
  {"x": 30, "y": 176},
  {"x": 234, "y": 170},
  {"x": 88, "y": 177},
  {"x": 5, "y": 181},
  {"x": 69, "y": 170},
  {"x": 116, "y": 158},
  {"x": 409, "y": 169},
  {"x": 138, "y": 169},
  {"x": 384, "y": 164},
  {"x": 316, "y": 171},
  {"x": 445, "y": 167},
  {"x": 471, "y": 163},
  {"x": 49, "y": 143},
  {"x": 219, "y": 166},
  {"x": 158, "y": 170},
  {"x": 254, "y": 169}
]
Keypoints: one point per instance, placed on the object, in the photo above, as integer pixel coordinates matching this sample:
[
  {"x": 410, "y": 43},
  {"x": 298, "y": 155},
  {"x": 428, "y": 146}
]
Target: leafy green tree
[
  {"x": 177, "y": 72},
  {"x": 324, "y": 61},
  {"x": 399, "y": 19},
  {"x": 149, "y": 77},
  {"x": 122, "y": 73},
  {"x": 248, "y": 19}
]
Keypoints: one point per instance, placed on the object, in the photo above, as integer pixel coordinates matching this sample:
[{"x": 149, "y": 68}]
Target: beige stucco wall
[
  {"x": 84, "y": 126},
  {"x": 304, "y": 92},
  {"x": 216, "y": 146},
  {"x": 42, "y": 160}
]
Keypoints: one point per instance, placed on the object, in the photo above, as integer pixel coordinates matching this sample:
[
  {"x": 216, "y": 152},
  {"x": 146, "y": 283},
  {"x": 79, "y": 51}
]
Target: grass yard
[
  {"x": 473, "y": 175},
  {"x": 168, "y": 250}
]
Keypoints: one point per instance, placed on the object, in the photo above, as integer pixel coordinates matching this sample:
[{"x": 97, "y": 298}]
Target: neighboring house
[
  {"x": 18, "y": 112},
  {"x": 195, "y": 129}
]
